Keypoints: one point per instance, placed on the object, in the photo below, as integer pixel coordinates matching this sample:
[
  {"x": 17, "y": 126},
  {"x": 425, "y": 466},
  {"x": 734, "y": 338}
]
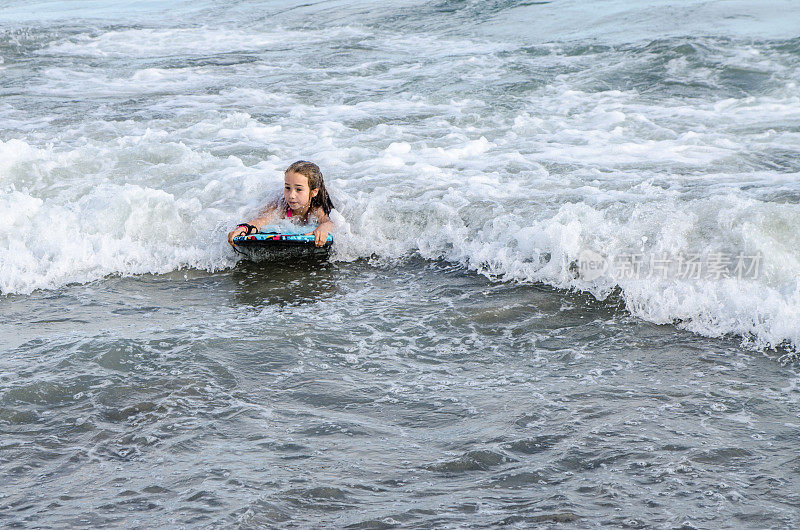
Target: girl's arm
[
  {"x": 269, "y": 215},
  {"x": 325, "y": 227}
]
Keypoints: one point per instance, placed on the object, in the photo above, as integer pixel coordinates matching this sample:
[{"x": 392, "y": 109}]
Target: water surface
[{"x": 455, "y": 363}]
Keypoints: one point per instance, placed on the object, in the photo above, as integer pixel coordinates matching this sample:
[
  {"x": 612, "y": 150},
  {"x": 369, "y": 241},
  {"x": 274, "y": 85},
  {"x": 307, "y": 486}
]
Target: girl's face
[{"x": 297, "y": 193}]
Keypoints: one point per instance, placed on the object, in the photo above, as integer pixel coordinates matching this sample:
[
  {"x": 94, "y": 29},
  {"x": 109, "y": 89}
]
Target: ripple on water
[
  {"x": 471, "y": 461},
  {"x": 334, "y": 428},
  {"x": 724, "y": 456},
  {"x": 50, "y": 393},
  {"x": 13, "y": 416},
  {"x": 323, "y": 498},
  {"x": 537, "y": 444},
  {"x": 522, "y": 480},
  {"x": 262, "y": 513},
  {"x": 540, "y": 519}
]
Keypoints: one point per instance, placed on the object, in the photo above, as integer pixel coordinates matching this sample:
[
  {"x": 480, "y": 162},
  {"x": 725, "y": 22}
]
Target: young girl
[{"x": 304, "y": 197}]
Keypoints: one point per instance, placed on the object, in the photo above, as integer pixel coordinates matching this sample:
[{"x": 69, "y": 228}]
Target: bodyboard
[{"x": 280, "y": 245}]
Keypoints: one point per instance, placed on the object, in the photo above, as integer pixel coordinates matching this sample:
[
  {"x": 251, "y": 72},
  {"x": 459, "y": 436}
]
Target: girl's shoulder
[
  {"x": 278, "y": 205},
  {"x": 317, "y": 213}
]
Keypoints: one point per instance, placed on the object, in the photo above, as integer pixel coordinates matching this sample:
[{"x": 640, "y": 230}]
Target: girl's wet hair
[{"x": 314, "y": 175}]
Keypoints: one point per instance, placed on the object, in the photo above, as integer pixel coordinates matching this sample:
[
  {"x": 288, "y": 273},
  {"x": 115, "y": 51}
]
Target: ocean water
[{"x": 564, "y": 290}]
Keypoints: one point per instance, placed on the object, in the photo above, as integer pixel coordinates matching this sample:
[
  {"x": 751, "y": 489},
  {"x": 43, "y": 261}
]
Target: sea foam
[{"x": 528, "y": 159}]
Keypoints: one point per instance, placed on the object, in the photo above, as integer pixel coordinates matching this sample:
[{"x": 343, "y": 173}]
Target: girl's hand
[
  {"x": 320, "y": 235},
  {"x": 238, "y": 231}
]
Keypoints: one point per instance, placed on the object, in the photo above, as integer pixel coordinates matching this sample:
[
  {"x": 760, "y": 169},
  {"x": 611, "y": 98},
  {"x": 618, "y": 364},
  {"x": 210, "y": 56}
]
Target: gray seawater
[
  {"x": 445, "y": 367},
  {"x": 415, "y": 395}
]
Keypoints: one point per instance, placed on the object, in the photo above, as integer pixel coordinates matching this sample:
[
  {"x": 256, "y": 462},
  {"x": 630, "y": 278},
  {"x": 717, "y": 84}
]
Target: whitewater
[
  {"x": 133, "y": 150},
  {"x": 565, "y": 285}
]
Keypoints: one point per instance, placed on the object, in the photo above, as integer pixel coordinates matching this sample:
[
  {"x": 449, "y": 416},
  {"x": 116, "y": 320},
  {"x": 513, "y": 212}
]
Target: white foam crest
[
  {"x": 438, "y": 46},
  {"x": 50, "y": 245},
  {"x": 66, "y": 215},
  {"x": 510, "y": 239},
  {"x": 69, "y": 82},
  {"x": 744, "y": 58},
  {"x": 514, "y": 189},
  {"x": 202, "y": 41},
  {"x": 13, "y": 152},
  {"x": 115, "y": 230}
]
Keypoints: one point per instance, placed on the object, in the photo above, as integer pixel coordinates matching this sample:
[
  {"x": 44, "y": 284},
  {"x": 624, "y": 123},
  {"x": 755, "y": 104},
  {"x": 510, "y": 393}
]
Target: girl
[{"x": 304, "y": 197}]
